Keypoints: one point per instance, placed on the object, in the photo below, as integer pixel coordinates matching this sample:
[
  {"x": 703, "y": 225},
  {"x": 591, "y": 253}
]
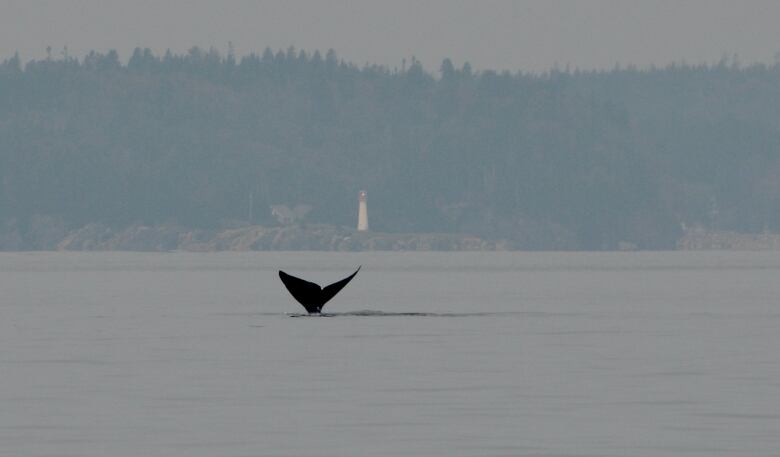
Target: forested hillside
[{"x": 565, "y": 159}]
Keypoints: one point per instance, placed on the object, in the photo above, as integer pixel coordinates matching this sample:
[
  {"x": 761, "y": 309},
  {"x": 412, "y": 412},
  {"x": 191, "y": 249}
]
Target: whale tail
[{"x": 311, "y": 295}]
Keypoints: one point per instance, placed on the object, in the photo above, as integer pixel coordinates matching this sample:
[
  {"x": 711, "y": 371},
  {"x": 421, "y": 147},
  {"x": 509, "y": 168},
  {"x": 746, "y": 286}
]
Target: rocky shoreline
[
  {"x": 100, "y": 237},
  {"x": 47, "y": 235},
  {"x": 702, "y": 240}
]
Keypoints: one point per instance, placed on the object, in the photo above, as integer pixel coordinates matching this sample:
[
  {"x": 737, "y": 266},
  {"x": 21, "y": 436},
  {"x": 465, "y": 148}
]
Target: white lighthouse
[{"x": 362, "y": 212}]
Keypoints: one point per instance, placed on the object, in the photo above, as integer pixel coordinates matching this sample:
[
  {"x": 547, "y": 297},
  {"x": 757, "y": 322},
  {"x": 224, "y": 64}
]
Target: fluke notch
[{"x": 311, "y": 295}]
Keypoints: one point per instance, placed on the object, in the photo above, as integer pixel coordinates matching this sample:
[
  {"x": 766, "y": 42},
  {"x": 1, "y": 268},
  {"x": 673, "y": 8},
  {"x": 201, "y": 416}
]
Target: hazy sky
[{"x": 521, "y": 35}]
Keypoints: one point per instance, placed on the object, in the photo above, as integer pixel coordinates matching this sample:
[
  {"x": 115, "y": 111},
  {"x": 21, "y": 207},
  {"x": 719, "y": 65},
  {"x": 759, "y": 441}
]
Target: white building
[{"x": 362, "y": 212}]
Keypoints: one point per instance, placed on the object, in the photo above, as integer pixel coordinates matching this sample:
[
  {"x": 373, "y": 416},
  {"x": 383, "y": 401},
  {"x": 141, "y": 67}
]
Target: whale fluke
[{"x": 310, "y": 295}]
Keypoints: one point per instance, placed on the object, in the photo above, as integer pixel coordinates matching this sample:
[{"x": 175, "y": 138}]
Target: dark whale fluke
[{"x": 310, "y": 295}]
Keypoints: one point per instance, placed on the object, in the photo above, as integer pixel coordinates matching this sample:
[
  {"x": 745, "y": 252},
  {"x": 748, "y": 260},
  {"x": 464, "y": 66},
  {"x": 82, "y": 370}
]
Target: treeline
[{"x": 565, "y": 159}]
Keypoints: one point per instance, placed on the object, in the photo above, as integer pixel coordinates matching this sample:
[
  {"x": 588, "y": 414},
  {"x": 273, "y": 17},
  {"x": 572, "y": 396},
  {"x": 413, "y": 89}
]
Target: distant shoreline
[
  {"x": 321, "y": 237},
  {"x": 704, "y": 240},
  {"x": 312, "y": 237}
]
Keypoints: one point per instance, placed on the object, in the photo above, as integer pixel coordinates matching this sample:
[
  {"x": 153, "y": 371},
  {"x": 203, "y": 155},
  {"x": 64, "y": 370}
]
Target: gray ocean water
[{"x": 510, "y": 354}]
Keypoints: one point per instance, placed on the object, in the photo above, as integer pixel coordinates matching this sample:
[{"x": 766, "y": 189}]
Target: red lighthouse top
[{"x": 363, "y": 195}]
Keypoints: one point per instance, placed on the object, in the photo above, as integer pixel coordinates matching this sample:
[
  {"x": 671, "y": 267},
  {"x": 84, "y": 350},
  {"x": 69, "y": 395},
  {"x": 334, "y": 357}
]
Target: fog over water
[
  {"x": 108, "y": 142},
  {"x": 435, "y": 354}
]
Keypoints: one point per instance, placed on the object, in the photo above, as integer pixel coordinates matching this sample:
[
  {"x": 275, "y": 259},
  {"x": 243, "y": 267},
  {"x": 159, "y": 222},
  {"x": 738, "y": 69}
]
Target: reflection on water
[{"x": 522, "y": 354}]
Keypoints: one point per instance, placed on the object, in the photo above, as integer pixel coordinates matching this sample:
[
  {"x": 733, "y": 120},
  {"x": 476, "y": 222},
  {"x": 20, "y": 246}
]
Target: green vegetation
[{"x": 564, "y": 159}]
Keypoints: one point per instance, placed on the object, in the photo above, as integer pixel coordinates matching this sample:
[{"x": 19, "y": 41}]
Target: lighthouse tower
[{"x": 362, "y": 212}]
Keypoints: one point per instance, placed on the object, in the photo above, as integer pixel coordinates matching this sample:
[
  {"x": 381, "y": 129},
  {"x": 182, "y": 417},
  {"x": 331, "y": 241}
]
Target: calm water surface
[{"x": 510, "y": 354}]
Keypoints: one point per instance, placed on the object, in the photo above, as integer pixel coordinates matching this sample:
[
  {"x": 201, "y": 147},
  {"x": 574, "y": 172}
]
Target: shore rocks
[
  {"x": 721, "y": 240},
  {"x": 93, "y": 237},
  {"x": 51, "y": 234}
]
